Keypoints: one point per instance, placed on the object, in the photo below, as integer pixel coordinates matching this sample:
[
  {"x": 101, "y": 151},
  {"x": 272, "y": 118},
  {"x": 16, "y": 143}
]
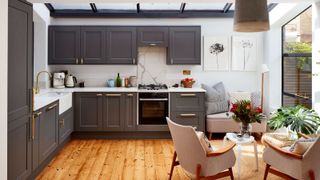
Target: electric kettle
[{"x": 71, "y": 81}]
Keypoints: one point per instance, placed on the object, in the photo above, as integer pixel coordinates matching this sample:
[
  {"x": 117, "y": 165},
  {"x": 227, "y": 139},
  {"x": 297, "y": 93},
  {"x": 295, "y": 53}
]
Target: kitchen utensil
[
  {"x": 81, "y": 84},
  {"x": 58, "y": 80},
  {"x": 71, "y": 81},
  {"x": 133, "y": 81}
]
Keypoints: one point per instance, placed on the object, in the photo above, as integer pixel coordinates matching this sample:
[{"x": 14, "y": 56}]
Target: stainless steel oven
[{"x": 153, "y": 108}]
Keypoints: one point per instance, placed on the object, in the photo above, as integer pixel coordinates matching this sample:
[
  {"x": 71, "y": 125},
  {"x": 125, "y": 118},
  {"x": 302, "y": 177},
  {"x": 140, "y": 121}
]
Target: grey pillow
[
  {"x": 217, "y": 107},
  {"x": 256, "y": 99},
  {"x": 215, "y": 93}
]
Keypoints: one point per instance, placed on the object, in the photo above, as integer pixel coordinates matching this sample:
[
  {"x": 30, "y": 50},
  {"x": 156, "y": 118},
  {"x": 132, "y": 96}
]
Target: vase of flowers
[{"x": 245, "y": 114}]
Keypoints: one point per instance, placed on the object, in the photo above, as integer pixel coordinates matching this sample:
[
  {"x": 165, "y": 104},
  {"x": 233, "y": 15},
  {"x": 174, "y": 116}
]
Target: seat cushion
[{"x": 225, "y": 116}]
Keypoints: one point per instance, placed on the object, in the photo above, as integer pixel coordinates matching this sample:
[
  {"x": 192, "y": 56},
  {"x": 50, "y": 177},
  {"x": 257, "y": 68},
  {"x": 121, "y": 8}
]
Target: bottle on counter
[{"x": 118, "y": 80}]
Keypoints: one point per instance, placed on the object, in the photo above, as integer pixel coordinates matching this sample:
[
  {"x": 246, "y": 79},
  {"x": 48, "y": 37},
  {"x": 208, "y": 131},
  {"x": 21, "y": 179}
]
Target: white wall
[
  {"x": 3, "y": 87},
  {"x": 246, "y": 81},
  {"x": 41, "y": 19},
  {"x": 316, "y": 56}
]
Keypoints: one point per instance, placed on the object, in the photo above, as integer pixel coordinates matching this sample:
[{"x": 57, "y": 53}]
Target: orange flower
[{"x": 248, "y": 107}]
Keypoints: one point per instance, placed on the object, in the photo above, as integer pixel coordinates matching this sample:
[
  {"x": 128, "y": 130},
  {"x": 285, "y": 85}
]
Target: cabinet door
[
  {"x": 20, "y": 52},
  {"x": 196, "y": 119},
  {"x": 93, "y": 45},
  {"x": 65, "y": 125},
  {"x": 187, "y": 101},
  {"x": 64, "y": 45},
  {"x": 48, "y": 131},
  {"x": 88, "y": 112},
  {"x": 35, "y": 126},
  {"x": 185, "y": 45},
  {"x": 122, "y": 47},
  {"x": 19, "y": 149},
  {"x": 113, "y": 112},
  {"x": 130, "y": 119},
  {"x": 153, "y": 36}
]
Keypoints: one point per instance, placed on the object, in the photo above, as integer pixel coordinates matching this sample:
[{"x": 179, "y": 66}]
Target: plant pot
[{"x": 245, "y": 129}]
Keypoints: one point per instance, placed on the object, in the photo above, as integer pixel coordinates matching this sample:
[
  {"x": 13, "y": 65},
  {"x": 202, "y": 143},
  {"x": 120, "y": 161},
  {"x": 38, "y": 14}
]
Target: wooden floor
[{"x": 131, "y": 159}]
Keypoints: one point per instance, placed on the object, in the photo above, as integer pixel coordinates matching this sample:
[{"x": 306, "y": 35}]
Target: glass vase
[{"x": 245, "y": 129}]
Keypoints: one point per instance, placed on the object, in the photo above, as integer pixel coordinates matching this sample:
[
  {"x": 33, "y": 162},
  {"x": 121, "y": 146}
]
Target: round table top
[{"x": 239, "y": 140}]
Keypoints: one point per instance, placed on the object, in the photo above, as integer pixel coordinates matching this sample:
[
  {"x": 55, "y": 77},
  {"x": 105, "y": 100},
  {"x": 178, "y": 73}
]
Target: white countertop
[{"x": 51, "y": 95}]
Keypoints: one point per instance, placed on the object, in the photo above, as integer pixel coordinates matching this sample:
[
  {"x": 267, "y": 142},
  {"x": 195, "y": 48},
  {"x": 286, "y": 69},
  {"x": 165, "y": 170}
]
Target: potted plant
[
  {"x": 298, "y": 119},
  {"x": 246, "y": 114}
]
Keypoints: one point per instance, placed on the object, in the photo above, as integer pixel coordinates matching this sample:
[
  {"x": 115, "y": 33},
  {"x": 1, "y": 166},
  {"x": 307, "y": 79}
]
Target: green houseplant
[{"x": 297, "y": 119}]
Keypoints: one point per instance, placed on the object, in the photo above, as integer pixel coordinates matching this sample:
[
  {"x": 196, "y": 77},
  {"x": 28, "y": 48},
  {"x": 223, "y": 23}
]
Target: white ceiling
[{"x": 161, "y": 1}]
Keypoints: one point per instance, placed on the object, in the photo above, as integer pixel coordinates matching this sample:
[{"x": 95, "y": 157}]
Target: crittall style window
[{"x": 297, "y": 60}]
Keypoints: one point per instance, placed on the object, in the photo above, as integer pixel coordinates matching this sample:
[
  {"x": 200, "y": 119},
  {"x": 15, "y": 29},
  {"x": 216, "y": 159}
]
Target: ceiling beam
[
  {"x": 138, "y": 7},
  {"x": 94, "y": 7},
  {"x": 227, "y": 7},
  {"x": 183, "y": 5},
  {"x": 49, "y": 6},
  {"x": 271, "y": 6},
  {"x": 142, "y": 14}
]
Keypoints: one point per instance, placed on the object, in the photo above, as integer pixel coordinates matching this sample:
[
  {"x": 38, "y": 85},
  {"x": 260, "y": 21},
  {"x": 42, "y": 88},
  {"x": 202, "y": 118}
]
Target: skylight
[
  {"x": 116, "y": 6},
  {"x": 160, "y": 6},
  {"x": 205, "y": 6},
  {"x": 77, "y": 6}
]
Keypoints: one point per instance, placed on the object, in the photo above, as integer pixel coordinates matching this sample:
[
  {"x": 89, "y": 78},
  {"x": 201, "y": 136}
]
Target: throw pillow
[
  {"x": 217, "y": 107},
  {"x": 215, "y": 93},
  {"x": 205, "y": 143},
  {"x": 256, "y": 99},
  {"x": 301, "y": 145}
]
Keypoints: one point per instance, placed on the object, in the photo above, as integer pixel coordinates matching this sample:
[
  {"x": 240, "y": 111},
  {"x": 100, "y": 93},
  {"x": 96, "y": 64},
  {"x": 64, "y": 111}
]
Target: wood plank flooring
[{"x": 131, "y": 159}]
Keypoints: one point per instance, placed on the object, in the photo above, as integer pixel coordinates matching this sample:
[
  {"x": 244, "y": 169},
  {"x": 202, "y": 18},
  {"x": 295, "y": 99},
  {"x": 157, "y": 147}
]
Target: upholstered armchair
[
  {"x": 289, "y": 165},
  {"x": 194, "y": 159}
]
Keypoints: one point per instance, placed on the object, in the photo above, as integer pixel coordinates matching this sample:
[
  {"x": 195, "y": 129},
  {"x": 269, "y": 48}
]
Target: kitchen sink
[{"x": 65, "y": 99}]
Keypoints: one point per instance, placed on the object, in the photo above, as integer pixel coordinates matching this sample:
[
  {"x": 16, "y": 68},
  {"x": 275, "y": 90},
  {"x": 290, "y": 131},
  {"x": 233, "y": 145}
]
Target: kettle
[{"x": 71, "y": 81}]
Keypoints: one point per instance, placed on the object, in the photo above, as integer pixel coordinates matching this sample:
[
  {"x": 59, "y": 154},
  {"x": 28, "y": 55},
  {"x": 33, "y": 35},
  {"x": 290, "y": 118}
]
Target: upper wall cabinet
[
  {"x": 93, "y": 45},
  {"x": 64, "y": 45},
  {"x": 153, "y": 36},
  {"x": 122, "y": 46},
  {"x": 184, "y": 45}
]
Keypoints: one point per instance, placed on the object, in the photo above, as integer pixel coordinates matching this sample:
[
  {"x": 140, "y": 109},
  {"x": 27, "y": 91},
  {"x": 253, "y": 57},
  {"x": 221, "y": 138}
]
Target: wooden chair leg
[
  {"x": 231, "y": 174},
  {"x": 173, "y": 164},
  {"x": 198, "y": 171},
  {"x": 210, "y": 135},
  {"x": 266, "y": 172}
]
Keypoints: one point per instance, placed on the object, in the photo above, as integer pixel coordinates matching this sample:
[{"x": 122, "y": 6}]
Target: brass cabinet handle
[
  {"x": 51, "y": 107},
  {"x": 113, "y": 95},
  {"x": 188, "y": 95},
  {"x": 77, "y": 61},
  {"x": 99, "y": 95},
  {"x": 61, "y": 122},
  {"x": 134, "y": 60},
  {"x": 152, "y": 44},
  {"x": 34, "y": 124},
  {"x": 188, "y": 115},
  {"x": 81, "y": 60},
  {"x": 171, "y": 60},
  {"x": 129, "y": 95}
]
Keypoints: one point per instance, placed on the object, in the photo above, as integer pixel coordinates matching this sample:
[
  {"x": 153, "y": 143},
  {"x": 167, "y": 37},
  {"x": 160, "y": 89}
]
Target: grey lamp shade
[{"x": 251, "y": 16}]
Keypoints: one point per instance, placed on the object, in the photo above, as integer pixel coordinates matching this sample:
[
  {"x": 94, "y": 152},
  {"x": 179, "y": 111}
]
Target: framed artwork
[
  {"x": 216, "y": 53},
  {"x": 244, "y": 53}
]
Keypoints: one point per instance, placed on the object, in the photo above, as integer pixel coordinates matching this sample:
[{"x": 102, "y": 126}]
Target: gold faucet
[{"x": 37, "y": 90}]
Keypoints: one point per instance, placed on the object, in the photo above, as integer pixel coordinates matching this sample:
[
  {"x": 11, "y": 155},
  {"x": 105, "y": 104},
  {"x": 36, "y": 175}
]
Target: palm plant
[{"x": 298, "y": 119}]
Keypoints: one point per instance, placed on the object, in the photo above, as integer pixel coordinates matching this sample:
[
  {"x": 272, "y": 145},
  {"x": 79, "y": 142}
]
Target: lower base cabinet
[
  {"x": 19, "y": 149},
  {"x": 105, "y": 112},
  {"x": 65, "y": 125},
  {"x": 44, "y": 133}
]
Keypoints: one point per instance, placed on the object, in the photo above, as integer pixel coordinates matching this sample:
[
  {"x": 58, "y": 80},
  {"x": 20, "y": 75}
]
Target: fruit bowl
[{"x": 188, "y": 82}]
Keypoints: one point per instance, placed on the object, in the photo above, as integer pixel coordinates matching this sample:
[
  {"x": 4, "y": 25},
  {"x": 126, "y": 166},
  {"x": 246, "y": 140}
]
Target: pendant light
[{"x": 251, "y": 16}]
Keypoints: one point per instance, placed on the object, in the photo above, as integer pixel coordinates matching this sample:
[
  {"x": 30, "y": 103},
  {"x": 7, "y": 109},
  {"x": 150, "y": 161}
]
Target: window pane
[
  {"x": 297, "y": 61},
  {"x": 160, "y": 6},
  {"x": 116, "y": 6},
  {"x": 81, "y": 6},
  {"x": 205, "y": 6}
]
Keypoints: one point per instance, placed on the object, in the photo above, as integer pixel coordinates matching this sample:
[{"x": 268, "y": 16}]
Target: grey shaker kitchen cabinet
[
  {"x": 20, "y": 82},
  {"x": 153, "y": 36},
  {"x": 184, "y": 46},
  {"x": 64, "y": 45},
  {"x": 130, "y": 109},
  {"x": 121, "y": 45},
  {"x": 44, "y": 133},
  {"x": 88, "y": 112},
  {"x": 113, "y": 111},
  {"x": 65, "y": 125},
  {"x": 188, "y": 109},
  {"x": 93, "y": 45}
]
